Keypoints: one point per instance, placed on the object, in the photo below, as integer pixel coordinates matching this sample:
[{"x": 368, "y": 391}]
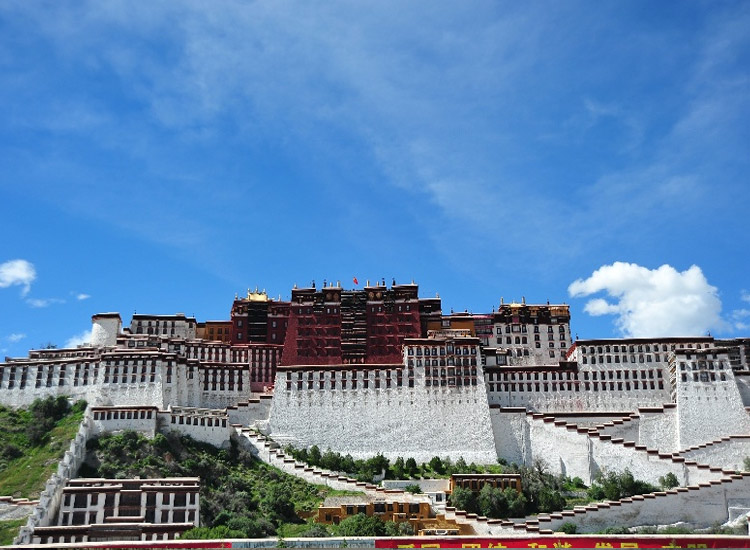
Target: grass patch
[
  {"x": 9, "y": 530},
  {"x": 26, "y": 475}
]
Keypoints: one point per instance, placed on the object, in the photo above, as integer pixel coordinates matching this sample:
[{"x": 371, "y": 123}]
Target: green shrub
[
  {"x": 361, "y": 525},
  {"x": 569, "y": 528}
]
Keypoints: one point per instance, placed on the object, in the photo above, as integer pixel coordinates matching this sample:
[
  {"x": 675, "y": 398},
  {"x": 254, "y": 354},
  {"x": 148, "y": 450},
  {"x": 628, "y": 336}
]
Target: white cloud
[
  {"x": 17, "y": 272},
  {"x": 82, "y": 296},
  {"x": 80, "y": 339},
  {"x": 653, "y": 302},
  {"x": 741, "y": 317},
  {"x": 44, "y": 302},
  {"x": 16, "y": 337}
]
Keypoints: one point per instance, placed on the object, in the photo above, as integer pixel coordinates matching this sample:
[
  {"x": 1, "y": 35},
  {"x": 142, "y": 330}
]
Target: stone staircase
[
  {"x": 684, "y": 503},
  {"x": 269, "y": 452}
]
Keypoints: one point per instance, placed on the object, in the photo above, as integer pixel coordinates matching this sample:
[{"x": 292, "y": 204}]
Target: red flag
[{"x": 356, "y": 282}]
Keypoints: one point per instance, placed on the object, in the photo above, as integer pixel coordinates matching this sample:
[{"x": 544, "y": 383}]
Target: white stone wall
[
  {"x": 521, "y": 438},
  {"x": 117, "y": 420},
  {"x": 743, "y": 385},
  {"x": 700, "y": 506},
  {"x": 729, "y": 453},
  {"x": 571, "y": 391},
  {"x": 208, "y": 428},
  {"x": 709, "y": 410},
  {"x": 105, "y": 329},
  {"x": 511, "y": 433},
  {"x": 251, "y": 412},
  {"x": 418, "y": 422},
  {"x": 657, "y": 429},
  {"x": 625, "y": 428}
]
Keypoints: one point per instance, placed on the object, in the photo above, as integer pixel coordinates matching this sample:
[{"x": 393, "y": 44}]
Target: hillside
[
  {"x": 240, "y": 496},
  {"x": 33, "y": 441}
]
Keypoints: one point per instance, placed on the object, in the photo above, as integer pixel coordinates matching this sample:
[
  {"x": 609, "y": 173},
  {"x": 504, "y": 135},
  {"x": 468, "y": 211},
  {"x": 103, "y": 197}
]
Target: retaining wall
[{"x": 45, "y": 513}]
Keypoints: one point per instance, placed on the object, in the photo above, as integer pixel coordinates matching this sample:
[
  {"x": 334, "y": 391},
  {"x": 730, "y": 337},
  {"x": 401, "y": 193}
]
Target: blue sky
[{"x": 162, "y": 156}]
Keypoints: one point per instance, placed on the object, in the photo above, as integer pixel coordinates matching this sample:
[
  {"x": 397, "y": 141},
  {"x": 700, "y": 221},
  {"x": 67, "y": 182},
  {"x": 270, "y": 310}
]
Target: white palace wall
[
  {"x": 419, "y": 422},
  {"x": 708, "y": 410},
  {"x": 657, "y": 428}
]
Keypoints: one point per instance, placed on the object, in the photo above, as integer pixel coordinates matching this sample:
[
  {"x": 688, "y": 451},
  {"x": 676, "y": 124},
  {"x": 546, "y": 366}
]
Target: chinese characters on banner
[{"x": 593, "y": 541}]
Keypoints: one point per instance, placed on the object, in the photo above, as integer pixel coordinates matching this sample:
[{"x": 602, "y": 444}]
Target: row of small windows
[
  {"x": 704, "y": 376},
  {"x": 164, "y": 323},
  {"x": 647, "y": 358},
  {"x": 48, "y": 376},
  {"x": 519, "y": 340},
  {"x": 442, "y": 350},
  {"x": 523, "y": 329},
  {"x": 458, "y": 361},
  {"x": 632, "y": 348},
  {"x": 199, "y": 421},
  {"x": 221, "y": 379},
  {"x": 576, "y": 386},
  {"x": 123, "y": 415},
  {"x": 702, "y": 365},
  {"x": 568, "y": 375}
]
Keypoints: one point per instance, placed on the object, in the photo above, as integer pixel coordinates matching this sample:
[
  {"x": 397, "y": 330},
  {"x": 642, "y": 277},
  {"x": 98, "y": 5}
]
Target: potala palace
[{"x": 382, "y": 370}]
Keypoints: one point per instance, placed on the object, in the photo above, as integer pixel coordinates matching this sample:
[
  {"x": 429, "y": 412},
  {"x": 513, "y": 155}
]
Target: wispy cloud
[
  {"x": 17, "y": 273},
  {"x": 454, "y": 108},
  {"x": 81, "y": 296},
  {"x": 15, "y": 337},
  {"x": 652, "y": 302},
  {"x": 44, "y": 302},
  {"x": 741, "y": 316}
]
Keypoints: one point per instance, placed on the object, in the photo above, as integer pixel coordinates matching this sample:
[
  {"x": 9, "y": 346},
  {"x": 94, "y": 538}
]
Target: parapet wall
[
  {"x": 252, "y": 411},
  {"x": 208, "y": 426},
  {"x": 118, "y": 419}
]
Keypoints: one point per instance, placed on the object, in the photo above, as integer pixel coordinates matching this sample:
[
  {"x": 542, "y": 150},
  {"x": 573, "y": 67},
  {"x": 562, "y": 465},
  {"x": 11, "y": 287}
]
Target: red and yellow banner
[{"x": 600, "y": 541}]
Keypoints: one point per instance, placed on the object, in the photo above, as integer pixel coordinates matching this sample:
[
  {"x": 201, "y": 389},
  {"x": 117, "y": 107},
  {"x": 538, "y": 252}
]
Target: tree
[
  {"x": 460, "y": 467},
  {"x": 492, "y": 502},
  {"x": 568, "y": 528},
  {"x": 277, "y": 503},
  {"x": 316, "y": 531},
  {"x": 614, "y": 486},
  {"x": 402, "y": 529},
  {"x": 399, "y": 468},
  {"x": 330, "y": 460},
  {"x": 412, "y": 470},
  {"x": 436, "y": 465},
  {"x": 669, "y": 481},
  {"x": 517, "y": 503},
  {"x": 361, "y": 525},
  {"x": 413, "y": 488},
  {"x": 464, "y": 499},
  {"x": 250, "y": 527},
  {"x": 313, "y": 456},
  {"x": 347, "y": 464},
  {"x": 550, "y": 500}
]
